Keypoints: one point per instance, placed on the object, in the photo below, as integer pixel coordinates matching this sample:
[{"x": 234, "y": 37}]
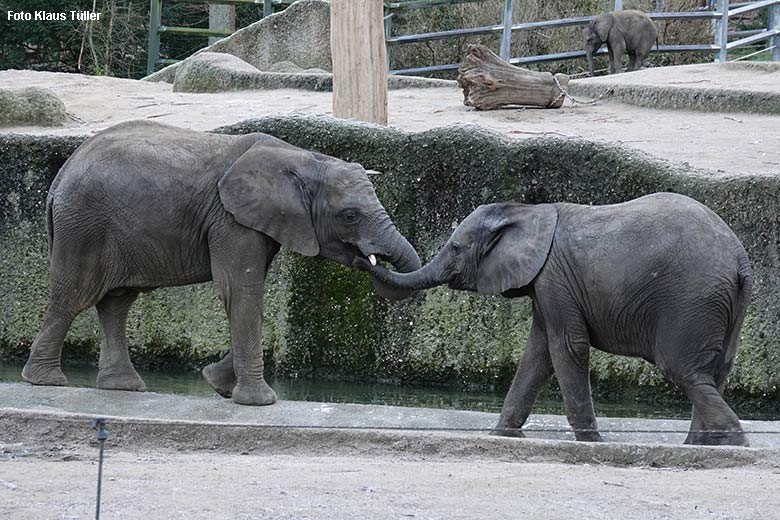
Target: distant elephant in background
[
  {"x": 660, "y": 277},
  {"x": 144, "y": 205},
  {"x": 622, "y": 31}
]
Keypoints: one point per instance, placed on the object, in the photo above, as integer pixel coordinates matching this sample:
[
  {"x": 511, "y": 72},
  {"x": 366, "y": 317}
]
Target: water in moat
[{"x": 191, "y": 383}]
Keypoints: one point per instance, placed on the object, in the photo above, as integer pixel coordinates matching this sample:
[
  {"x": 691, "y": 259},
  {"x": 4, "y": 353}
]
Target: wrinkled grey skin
[
  {"x": 143, "y": 205},
  {"x": 622, "y": 31},
  {"x": 661, "y": 277}
]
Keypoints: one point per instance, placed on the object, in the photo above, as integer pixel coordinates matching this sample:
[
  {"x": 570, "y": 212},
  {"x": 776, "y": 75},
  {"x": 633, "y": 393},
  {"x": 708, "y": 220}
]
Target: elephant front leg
[
  {"x": 570, "y": 356},
  {"x": 221, "y": 376},
  {"x": 245, "y": 315},
  {"x": 534, "y": 369}
]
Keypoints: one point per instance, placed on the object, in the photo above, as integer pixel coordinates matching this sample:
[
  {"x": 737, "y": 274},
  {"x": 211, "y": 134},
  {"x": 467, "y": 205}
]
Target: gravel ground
[
  {"x": 60, "y": 484},
  {"x": 722, "y": 143}
]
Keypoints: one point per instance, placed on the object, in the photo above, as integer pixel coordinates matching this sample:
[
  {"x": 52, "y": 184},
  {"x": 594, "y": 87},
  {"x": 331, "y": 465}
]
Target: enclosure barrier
[
  {"x": 156, "y": 28},
  {"x": 719, "y": 11}
]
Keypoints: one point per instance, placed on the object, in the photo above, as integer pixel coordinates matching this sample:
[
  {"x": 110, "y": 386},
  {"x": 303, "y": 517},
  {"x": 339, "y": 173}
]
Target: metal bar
[
  {"x": 268, "y": 8},
  {"x": 618, "y": 5},
  {"x": 506, "y": 36},
  {"x": 749, "y": 32},
  {"x": 752, "y": 7},
  {"x": 722, "y": 31},
  {"x": 155, "y": 8},
  {"x": 555, "y": 57},
  {"x": 773, "y": 23},
  {"x": 418, "y": 4},
  {"x": 443, "y": 35},
  {"x": 528, "y": 26},
  {"x": 752, "y": 39},
  {"x": 684, "y": 15},
  {"x": 193, "y": 31}
]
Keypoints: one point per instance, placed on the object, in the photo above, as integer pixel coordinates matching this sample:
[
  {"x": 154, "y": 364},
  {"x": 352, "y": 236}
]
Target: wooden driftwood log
[{"x": 488, "y": 82}]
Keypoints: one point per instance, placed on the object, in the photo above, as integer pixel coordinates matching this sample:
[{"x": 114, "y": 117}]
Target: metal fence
[
  {"x": 719, "y": 11},
  {"x": 156, "y": 27}
]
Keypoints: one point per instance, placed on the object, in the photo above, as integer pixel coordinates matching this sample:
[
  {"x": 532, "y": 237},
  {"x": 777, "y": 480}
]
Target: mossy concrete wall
[{"x": 323, "y": 319}]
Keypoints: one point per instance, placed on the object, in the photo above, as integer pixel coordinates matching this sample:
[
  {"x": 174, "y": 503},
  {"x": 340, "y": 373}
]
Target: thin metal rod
[
  {"x": 100, "y": 481},
  {"x": 506, "y": 35},
  {"x": 618, "y": 5},
  {"x": 722, "y": 31},
  {"x": 268, "y": 8}
]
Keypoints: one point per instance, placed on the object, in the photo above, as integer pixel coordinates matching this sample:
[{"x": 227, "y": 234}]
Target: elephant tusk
[{"x": 372, "y": 259}]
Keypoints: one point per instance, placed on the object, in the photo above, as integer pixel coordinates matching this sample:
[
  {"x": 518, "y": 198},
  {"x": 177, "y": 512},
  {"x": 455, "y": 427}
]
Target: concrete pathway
[{"x": 195, "y": 421}]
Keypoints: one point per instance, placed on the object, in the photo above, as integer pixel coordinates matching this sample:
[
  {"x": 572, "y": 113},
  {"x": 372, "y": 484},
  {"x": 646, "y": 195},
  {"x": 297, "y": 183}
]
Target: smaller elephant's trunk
[
  {"x": 404, "y": 258},
  {"x": 428, "y": 276},
  {"x": 591, "y": 68}
]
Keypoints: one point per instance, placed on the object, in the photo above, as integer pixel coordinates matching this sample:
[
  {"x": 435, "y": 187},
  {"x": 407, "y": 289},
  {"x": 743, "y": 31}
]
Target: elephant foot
[
  {"x": 221, "y": 377},
  {"x": 517, "y": 433},
  {"x": 125, "y": 378},
  {"x": 730, "y": 438},
  {"x": 588, "y": 436},
  {"x": 37, "y": 373},
  {"x": 259, "y": 394}
]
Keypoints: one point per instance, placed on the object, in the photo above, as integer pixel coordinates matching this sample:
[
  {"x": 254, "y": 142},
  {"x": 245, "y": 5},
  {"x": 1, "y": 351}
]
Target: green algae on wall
[{"x": 322, "y": 319}]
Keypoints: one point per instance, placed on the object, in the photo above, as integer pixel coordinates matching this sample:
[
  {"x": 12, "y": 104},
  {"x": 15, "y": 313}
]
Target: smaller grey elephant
[
  {"x": 622, "y": 31},
  {"x": 661, "y": 278}
]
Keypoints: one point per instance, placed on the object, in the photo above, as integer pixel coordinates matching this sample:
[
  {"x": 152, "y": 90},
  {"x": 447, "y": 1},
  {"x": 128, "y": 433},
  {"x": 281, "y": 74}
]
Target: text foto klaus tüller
[{"x": 48, "y": 16}]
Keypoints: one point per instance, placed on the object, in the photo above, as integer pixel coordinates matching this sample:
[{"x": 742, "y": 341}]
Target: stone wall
[{"x": 324, "y": 320}]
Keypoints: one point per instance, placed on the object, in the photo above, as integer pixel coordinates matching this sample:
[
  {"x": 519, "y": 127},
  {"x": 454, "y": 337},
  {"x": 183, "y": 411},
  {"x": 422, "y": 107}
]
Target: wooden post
[
  {"x": 357, "y": 44},
  {"x": 223, "y": 18}
]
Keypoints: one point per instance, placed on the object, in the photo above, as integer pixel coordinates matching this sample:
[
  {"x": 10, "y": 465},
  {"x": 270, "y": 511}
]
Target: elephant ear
[
  {"x": 265, "y": 190},
  {"x": 518, "y": 248},
  {"x": 603, "y": 25}
]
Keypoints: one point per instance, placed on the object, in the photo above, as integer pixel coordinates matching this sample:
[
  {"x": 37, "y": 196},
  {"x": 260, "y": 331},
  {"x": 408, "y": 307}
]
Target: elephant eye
[
  {"x": 456, "y": 247},
  {"x": 350, "y": 216}
]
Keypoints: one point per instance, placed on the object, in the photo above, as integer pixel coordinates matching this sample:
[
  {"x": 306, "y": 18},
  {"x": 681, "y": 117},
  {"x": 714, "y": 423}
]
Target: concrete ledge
[
  {"x": 716, "y": 87},
  {"x": 147, "y": 420}
]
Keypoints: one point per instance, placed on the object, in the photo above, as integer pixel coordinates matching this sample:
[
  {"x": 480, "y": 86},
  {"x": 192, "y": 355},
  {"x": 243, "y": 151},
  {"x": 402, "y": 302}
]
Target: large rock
[
  {"x": 217, "y": 72},
  {"x": 299, "y": 34},
  {"x": 31, "y": 106}
]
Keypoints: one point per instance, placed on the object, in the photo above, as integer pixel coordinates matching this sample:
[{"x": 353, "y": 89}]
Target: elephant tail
[
  {"x": 744, "y": 291},
  {"x": 50, "y": 221}
]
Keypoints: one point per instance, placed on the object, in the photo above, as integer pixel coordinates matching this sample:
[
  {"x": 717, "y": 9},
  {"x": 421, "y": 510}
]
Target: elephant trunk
[
  {"x": 428, "y": 276},
  {"x": 404, "y": 258},
  {"x": 591, "y": 69}
]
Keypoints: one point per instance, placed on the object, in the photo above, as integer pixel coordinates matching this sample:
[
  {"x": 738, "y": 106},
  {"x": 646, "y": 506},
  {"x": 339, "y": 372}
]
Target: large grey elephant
[
  {"x": 661, "y": 277},
  {"x": 622, "y": 31},
  {"x": 144, "y": 205}
]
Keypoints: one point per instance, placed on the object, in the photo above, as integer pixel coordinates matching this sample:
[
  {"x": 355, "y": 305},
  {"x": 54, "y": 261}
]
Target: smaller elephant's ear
[
  {"x": 517, "y": 251},
  {"x": 264, "y": 190},
  {"x": 603, "y": 25}
]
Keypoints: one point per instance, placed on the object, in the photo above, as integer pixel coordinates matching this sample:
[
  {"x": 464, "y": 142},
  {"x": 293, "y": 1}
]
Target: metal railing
[
  {"x": 719, "y": 11},
  {"x": 156, "y": 27}
]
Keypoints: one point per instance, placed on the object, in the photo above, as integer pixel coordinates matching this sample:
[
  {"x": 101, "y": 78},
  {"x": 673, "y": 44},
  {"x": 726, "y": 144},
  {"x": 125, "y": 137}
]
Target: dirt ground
[
  {"x": 61, "y": 484},
  {"x": 722, "y": 143}
]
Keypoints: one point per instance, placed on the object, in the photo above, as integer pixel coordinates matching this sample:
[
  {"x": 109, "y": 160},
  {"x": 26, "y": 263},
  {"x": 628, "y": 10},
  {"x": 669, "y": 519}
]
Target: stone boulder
[
  {"x": 217, "y": 72},
  {"x": 300, "y": 34},
  {"x": 31, "y": 106}
]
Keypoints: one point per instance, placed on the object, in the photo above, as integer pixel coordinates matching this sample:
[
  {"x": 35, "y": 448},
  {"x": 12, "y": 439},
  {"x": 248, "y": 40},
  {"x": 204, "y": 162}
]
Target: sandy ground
[
  {"x": 725, "y": 143},
  {"x": 60, "y": 484}
]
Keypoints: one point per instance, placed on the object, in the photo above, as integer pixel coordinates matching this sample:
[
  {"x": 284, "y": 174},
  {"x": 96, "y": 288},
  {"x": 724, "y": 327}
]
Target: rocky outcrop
[
  {"x": 217, "y": 72},
  {"x": 31, "y": 106}
]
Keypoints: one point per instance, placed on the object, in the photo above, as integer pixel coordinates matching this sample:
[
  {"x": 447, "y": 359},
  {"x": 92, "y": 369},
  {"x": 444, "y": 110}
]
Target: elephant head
[
  {"x": 497, "y": 249},
  {"x": 315, "y": 205},
  {"x": 596, "y": 34}
]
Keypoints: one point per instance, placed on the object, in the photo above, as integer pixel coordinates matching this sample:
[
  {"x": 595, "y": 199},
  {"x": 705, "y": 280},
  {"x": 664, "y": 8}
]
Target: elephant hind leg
[
  {"x": 44, "y": 365},
  {"x": 115, "y": 370},
  {"x": 713, "y": 421}
]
